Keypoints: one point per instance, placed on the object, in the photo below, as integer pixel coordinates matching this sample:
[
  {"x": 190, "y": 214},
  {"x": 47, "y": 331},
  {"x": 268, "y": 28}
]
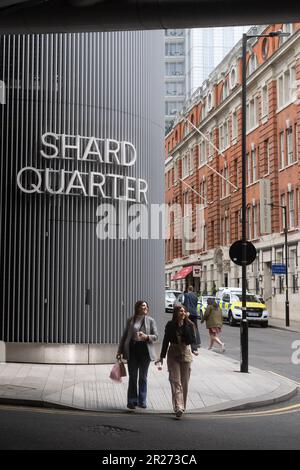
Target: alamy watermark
[
  {"x": 296, "y": 354},
  {"x": 120, "y": 220}
]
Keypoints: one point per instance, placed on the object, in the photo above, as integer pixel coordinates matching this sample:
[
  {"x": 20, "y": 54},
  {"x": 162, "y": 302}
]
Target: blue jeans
[{"x": 138, "y": 364}]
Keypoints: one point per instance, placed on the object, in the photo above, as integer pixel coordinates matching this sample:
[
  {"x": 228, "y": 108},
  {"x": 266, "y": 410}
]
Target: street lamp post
[
  {"x": 287, "y": 302},
  {"x": 244, "y": 322}
]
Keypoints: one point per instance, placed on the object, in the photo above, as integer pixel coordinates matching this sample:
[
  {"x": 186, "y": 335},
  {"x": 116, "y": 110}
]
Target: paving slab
[{"x": 216, "y": 384}]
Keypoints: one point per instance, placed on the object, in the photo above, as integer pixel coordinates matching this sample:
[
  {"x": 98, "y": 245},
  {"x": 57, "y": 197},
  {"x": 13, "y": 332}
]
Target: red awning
[{"x": 183, "y": 273}]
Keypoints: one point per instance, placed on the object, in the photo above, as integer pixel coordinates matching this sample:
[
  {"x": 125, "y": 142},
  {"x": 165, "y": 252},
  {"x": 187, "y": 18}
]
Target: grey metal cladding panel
[{"x": 105, "y": 85}]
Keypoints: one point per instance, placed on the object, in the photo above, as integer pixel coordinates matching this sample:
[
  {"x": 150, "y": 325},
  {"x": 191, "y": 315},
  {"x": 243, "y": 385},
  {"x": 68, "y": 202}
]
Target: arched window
[
  {"x": 252, "y": 64},
  {"x": 265, "y": 48},
  {"x": 225, "y": 91},
  {"x": 210, "y": 101},
  {"x": 203, "y": 111},
  {"x": 233, "y": 77}
]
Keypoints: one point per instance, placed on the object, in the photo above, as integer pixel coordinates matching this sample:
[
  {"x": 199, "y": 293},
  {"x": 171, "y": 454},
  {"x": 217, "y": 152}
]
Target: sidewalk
[
  {"x": 216, "y": 385},
  {"x": 280, "y": 324}
]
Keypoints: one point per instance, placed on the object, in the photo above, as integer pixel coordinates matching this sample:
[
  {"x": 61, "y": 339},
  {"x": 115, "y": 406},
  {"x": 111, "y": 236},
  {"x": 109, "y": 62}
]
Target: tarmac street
[{"x": 216, "y": 384}]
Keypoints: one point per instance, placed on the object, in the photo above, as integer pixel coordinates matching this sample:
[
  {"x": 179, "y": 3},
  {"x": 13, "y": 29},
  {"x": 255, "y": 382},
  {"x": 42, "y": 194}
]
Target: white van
[{"x": 172, "y": 296}]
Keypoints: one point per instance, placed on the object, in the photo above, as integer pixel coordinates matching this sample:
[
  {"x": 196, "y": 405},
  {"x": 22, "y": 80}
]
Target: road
[
  {"x": 269, "y": 348},
  {"x": 272, "y": 428},
  {"x": 67, "y": 430}
]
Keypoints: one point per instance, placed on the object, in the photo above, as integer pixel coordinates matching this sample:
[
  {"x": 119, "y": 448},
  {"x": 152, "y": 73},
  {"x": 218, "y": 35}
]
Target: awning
[{"x": 183, "y": 273}]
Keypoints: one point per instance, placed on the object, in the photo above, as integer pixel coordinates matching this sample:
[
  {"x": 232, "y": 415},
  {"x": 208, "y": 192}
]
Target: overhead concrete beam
[{"x": 39, "y": 16}]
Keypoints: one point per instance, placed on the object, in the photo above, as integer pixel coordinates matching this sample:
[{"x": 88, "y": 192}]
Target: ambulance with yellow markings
[{"x": 230, "y": 302}]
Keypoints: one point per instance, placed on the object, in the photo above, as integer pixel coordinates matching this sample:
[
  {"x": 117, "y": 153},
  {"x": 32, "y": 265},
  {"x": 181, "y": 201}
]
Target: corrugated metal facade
[{"x": 60, "y": 283}]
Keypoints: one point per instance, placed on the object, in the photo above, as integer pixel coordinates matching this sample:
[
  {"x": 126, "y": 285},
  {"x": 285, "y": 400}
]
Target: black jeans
[{"x": 138, "y": 364}]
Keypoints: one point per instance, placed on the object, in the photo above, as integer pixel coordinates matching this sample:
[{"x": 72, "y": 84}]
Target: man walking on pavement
[{"x": 190, "y": 302}]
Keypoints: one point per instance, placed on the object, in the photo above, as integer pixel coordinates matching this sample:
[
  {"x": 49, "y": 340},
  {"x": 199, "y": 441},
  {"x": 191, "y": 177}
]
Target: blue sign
[{"x": 278, "y": 269}]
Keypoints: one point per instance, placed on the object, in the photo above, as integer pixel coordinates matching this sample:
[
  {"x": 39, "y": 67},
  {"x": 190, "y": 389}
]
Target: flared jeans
[{"x": 138, "y": 365}]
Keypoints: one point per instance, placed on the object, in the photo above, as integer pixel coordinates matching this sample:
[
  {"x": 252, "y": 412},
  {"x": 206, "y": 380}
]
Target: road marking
[{"x": 286, "y": 409}]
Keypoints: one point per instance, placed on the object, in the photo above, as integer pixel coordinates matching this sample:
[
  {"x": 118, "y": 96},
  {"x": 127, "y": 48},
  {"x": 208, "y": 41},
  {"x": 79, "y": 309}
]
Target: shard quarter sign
[{"x": 64, "y": 148}]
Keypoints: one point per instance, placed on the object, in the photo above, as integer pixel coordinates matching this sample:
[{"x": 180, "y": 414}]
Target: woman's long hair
[
  {"x": 176, "y": 315},
  {"x": 137, "y": 307},
  {"x": 212, "y": 302}
]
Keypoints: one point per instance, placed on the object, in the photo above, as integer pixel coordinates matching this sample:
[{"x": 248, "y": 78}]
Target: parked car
[
  {"x": 171, "y": 297},
  {"x": 231, "y": 306}
]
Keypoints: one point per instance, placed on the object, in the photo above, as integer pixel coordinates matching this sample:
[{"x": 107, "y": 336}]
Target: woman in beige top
[{"x": 179, "y": 340}]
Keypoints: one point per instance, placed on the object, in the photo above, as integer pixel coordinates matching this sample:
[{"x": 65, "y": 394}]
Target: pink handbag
[{"x": 118, "y": 371}]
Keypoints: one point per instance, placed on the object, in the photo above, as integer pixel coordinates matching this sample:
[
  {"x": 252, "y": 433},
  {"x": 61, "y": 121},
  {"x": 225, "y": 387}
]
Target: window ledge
[
  {"x": 252, "y": 129},
  {"x": 284, "y": 106},
  {"x": 202, "y": 165},
  {"x": 264, "y": 119},
  {"x": 289, "y": 166},
  {"x": 252, "y": 184}
]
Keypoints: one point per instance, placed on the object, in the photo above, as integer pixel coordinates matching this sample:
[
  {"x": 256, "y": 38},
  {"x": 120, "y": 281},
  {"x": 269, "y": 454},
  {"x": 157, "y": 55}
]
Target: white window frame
[
  {"x": 282, "y": 150},
  {"x": 249, "y": 175},
  {"x": 252, "y": 114},
  {"x": 191, "y": 161},
  {"x": 264, "y": 102},
  {"x": 254, "y": 165},
  {"x": 286, "y": 89},
  {"x": 255, "y": 222},
  {"x": 291, "y": 198},
  {"x": 224, "y": 135},
  {"x": 290, "y": 145},
  {"x": 202, "y": 149},
  {"x": 249, "y": 224},
  {"x": 210, "y": 148},
  {"x": 234, "y": 125},
  {"x": 185, "y": 165}
]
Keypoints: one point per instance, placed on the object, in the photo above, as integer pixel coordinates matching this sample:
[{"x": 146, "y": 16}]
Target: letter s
[{"x": 48, "y": 144}]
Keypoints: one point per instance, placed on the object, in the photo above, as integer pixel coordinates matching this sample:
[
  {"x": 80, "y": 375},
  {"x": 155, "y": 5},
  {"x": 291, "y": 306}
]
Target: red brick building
[{"x": 273, "y": 120}]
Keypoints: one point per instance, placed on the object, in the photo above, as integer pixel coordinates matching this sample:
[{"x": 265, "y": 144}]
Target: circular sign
[{"x": 236, "y": 253}]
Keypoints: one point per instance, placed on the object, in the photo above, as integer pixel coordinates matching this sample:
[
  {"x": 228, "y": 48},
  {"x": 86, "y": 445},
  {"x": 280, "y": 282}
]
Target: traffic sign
[
  {"x": 236, "y": 253},
  {"x": 279, "y": 269}
]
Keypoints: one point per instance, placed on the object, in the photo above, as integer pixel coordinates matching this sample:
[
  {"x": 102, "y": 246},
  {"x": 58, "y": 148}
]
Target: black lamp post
[
  {"x": 287, "y": 302},
  {"x": 244, "y": 322}
]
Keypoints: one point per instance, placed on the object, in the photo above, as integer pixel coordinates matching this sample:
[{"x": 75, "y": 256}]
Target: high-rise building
[
  {"x": 190, "y": 56},
  {"x": 175, "y": 73}
]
